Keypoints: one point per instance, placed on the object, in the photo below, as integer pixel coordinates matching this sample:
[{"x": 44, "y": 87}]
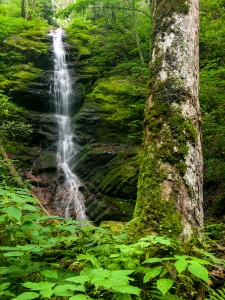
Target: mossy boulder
[
  {"x": 108, "y": 127},
  {"x": 34, "y": 47},
  {"x": 112, "y": 112},
  {"x": 110, "y": 174},
  {"x": 114, "y": 226},
  {"x": 20, "y": 78},
  {"x": 27, "y": 80}
]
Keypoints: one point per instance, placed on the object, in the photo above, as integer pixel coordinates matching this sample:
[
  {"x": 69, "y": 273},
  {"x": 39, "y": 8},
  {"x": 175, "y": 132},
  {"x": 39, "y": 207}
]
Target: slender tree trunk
[
  {"x": 170, "y": 194},
  {"x": 26, "y": 9},
  {"x": 32, "y": 8},
  {"x": 23, "y": 13},
  {"x": 138, "y": 39}
]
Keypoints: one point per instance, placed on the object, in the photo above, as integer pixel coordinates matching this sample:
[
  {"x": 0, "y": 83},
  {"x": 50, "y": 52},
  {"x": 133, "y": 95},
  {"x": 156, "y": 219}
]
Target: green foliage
[
  {"x": 11, "y": 120},
  {"x": 21, "y": 43},
  {"x": 111, "y": 31},
  {"x": 218, "y": 294},
  {"x": 211, "y": 93},
  {"x": 45, "y": 256}
]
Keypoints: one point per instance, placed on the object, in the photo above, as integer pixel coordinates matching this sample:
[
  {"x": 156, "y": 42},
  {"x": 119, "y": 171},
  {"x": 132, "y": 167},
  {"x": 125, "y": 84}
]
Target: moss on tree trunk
[{"x": 170, "y": 182}]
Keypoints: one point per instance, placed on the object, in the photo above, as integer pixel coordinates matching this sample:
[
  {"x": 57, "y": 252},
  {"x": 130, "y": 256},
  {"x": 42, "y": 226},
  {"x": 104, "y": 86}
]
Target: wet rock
[
  {"x": 110, "y": 174},
  {"x": 106, "y": 162},
  {"x": 46, "y": 161}
]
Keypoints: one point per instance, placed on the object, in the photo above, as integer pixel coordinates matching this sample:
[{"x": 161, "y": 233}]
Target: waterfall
[{"x": 68, "y": 194}]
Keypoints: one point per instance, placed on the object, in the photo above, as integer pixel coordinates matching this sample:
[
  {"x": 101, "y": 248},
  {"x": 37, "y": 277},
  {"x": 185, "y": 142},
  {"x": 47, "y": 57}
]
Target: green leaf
[
  {"x": 78, "y": 279},
  {"x": 121, "y": 273},
  {"x": 4, "y": 286},
  {"x": 43, "y": 285},
  {"x": 109, "y": 279},
  {"x": 27, "y": 296},
  {"x": 127, "y": 289},
  {"x": 47, "y": 293},
  {"x": 181, "y": 265},
  {"x": 2, "y": 218},
  {"x": 183, "y": 257},
  {"x": 199, "y": 271},
  {"x": 5, "y": 248},
  {"x": 26, "y": 247},
  {"x": 67, "y": 289},
  {"x": 14, "y": 212},
  {"x": 16, "y": 198},
  {"x": 4, "y": 270},
  {"x": 29, "y": 207},
  {"x": 100, "y": 273},
  {"x": 80, "y": 297},
  {"x": 164, "y": 284},
  {"x": 108, "y": 283},
  {"x": 2, "y": 192},
  {"x": 152, "y": 260},
  {"x": 162, "y": 241},
  {"x": 199, "y": 260},
  {"x": 120, "y": 296},
  {"x": 13, "y": 253},
  {"x": 50, "y": 273},
  {"x": 151, "y": 273}
]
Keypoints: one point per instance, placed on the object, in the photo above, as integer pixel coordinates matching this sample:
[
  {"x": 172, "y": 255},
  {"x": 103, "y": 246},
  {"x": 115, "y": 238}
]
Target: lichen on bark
[{"x": 170, "y": 182}]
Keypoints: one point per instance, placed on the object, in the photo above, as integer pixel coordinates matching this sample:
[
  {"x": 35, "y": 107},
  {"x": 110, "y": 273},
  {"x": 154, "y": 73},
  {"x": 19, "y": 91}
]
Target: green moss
[
  {"x": 120, "y": 176},
  {"x": 167, "y": 136},
  {"x": 25, "y": 43},
  {"x": 152, "y": 213},
  {"x": 88, "y": 69},
  {"x": 20, "y": 77},
  {"x": 120, "y": 105},
  {"x": 13, "y": 147},
  {"x": 115, "y": 226},
  {"x": 112, "y": 174},
  {"x": 166, "y": 9},
  {"x": 164, "y": 121},
  {"x": 172, "y": 6},
  {"x": 24, "y": 158},
  {"x": 125, "y": 208},
  {"x": 163, "y": 17},
  {"x": 28, "y": 73},
  {"x": 83, "y": 51}
]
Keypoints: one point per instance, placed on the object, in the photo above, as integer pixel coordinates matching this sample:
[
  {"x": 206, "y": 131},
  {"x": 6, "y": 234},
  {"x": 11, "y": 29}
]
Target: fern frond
[
  {"x": 157, "y": 295},
  {"x": 217, "y": 294}
]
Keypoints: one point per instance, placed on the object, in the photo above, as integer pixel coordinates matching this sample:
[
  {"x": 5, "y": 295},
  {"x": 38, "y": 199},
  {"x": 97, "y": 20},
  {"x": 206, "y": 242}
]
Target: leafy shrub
[{"x": 45, "y": 256}]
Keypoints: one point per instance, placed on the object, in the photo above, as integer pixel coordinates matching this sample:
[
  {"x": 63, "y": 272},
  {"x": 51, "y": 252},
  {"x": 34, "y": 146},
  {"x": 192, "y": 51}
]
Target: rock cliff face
[{"x": 107, "y": 160}]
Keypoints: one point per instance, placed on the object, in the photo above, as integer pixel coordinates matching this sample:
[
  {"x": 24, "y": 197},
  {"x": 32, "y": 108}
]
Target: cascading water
[{"x": 69, "y": 195}]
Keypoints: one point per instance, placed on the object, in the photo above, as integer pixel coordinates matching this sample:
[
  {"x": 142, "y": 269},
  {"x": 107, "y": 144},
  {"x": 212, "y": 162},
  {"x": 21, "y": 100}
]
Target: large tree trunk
[{"x": 170, "y": 194}]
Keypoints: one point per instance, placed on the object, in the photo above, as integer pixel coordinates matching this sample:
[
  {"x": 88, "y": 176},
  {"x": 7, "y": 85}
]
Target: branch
[{"x": 125, "y": 8}]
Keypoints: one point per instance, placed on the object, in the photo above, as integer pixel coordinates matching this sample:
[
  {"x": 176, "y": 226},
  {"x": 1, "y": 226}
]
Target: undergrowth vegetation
[{"x": 47, "y": 257}]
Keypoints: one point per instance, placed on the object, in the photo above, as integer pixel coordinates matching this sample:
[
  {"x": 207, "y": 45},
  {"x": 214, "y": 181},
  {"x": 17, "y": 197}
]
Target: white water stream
[{"x": 71, "y": 198}]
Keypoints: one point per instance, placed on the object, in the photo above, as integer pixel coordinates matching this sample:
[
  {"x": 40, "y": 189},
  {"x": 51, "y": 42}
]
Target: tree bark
[
  {"x": 23, "y": 13},
  {"x": 27, "y": 9},
  {"x": 138, "y": 39},
  {"x": 170, "y": 197}
]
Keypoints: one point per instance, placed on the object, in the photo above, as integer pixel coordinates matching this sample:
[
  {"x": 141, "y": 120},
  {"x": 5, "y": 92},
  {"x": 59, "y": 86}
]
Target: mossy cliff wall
[
  {"x": 107, "y": 125},
  {"x": 170, "y": 182},
  {"x": 27, "y": 76},
  {"x": 108, "y": 130}
]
